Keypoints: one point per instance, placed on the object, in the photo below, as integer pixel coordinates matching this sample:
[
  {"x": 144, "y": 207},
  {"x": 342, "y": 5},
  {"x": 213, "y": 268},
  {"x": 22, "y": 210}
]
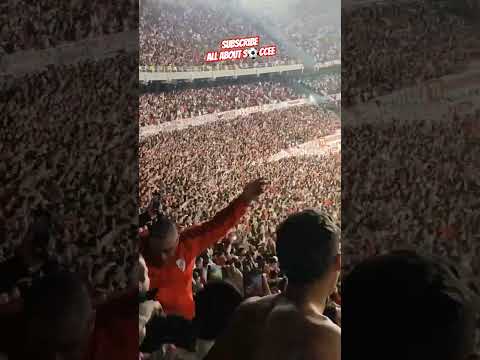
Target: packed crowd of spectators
[
  {"x": 45, "y": 24},
  {"x": 177, "y": 34},
  {"x": 67, "y": 223},
  {"x": 212, "y": 160},
  {"x": 324, "y": 85},
  {"x": 192, "y": 191},
  {"x": 60, "y": 149},
  {"x": 430, "y": 199},
  {"x": 230, "y": 161},
  {"x": 327, "y": 86},
  {"x": 190, "y": 102},
  {"x": 394, "y": 37},
  {"x": 321, "y": 43},
  {"x": 425, "y": 212},
  {"x": 195, "y": 172},
  {"x": 428, "y": 205}
]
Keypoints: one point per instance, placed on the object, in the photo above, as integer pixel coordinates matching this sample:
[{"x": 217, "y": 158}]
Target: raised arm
[{"x": 200, "y": 237}]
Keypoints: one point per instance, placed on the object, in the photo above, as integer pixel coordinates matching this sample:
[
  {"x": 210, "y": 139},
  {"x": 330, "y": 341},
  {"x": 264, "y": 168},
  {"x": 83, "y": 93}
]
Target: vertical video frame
[{"x": 239, "y": 179}]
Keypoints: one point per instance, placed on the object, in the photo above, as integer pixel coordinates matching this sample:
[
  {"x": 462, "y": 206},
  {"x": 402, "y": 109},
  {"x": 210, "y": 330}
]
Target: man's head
[
  {"x": 219, "y": 258},
  {"x": 162, "y": 241},
  {"x": 308, "y": 248},
  {"x": 419, "y": 310},
  {"x": 59, "y": 317},
  {"x": 215, "y": 306}
]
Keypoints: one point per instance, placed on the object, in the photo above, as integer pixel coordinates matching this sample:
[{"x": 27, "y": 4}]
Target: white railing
[
  {"x": 216, "y": 73},
  {"x": 220, "y": 66},
  {"x": 210, "y": 67}
]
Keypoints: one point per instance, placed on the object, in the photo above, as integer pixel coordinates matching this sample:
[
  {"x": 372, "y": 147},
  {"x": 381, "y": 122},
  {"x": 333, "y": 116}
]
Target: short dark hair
[
  {"x": 307, "y": 243},
  {"x": 215, "y": 306},
  {"x": 420, "y": 310},
  {"x": 161, "y": 227}
]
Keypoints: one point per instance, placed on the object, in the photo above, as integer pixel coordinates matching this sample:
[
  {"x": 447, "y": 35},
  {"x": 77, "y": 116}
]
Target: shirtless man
[{"x": 292, "y": 326}]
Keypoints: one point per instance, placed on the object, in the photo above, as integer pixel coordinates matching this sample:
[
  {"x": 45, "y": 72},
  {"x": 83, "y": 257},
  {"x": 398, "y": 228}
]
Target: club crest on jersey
[{"x": 181, "y": 264}]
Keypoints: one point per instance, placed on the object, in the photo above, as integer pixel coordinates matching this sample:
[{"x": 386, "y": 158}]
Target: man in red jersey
[{"x": 170, "y": 256}]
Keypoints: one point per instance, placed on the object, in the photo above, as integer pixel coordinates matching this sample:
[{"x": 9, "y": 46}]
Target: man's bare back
[{"x": 274, "y": 328}]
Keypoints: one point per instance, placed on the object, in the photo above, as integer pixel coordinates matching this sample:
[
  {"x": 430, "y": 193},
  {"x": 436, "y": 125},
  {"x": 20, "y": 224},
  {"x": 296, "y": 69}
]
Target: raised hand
[{"x": 254, "y": 189}]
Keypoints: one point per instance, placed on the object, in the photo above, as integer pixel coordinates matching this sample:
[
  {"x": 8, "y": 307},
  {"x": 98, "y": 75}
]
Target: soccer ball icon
[{"x": 252, "y": 53}]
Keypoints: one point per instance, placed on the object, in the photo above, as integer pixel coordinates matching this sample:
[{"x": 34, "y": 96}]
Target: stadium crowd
[
  {"x": 324, "y": 85},
  {"x": 190, "y": 102},
  {"x": 68, "y": 249},
  {"x": 42, "y": 25},
  {"x": 50, "y": 175},
  {"x": 430, "y": 200},
  {"x": 322, "y": 44},
  {"x": 186, "y": 177},
  {"x": 259, "y": 134},
  {"x": 206, "y": 165},
  {"x": 418, "y": 217},
  {"x": 180, "y": 34},
  {"x": 393, "y": 38},
  {"x": 428, "y": 205},
  {"x": 438, "y": 225}
]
